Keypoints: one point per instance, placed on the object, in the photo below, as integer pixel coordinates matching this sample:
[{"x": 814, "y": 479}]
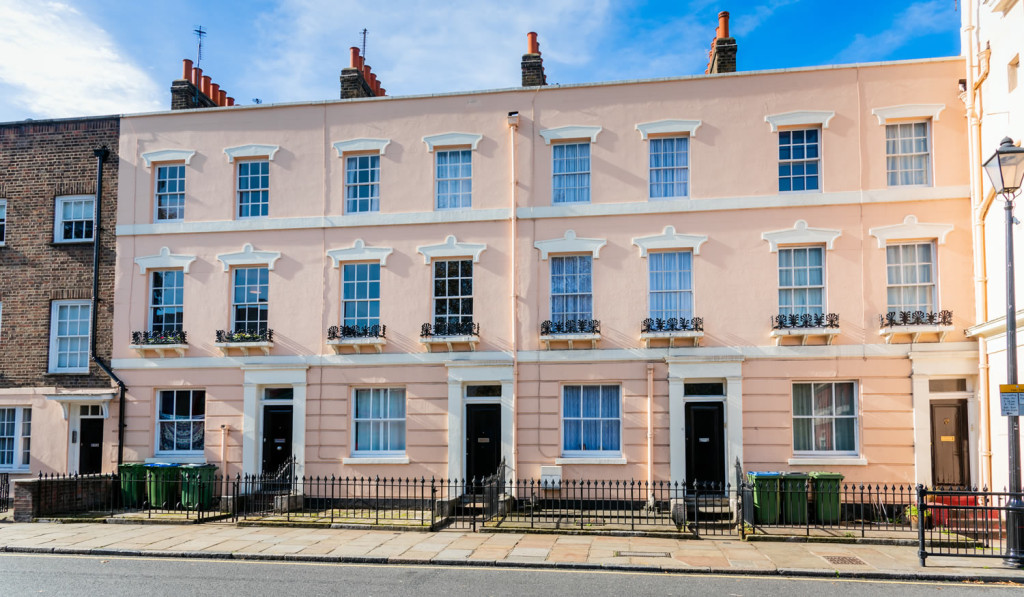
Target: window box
[
  {"x": 159, "y": 342},
  {"x": 245, "y": 340},
  {"x": 672, "y": 329},
  {"x": 805, "y": 326},
  {"x": 570, "y": 331},
  {"x": 356, "y": 337},
  {"x": 450, "y": 334},
  {"x": 915, "y": 324}
]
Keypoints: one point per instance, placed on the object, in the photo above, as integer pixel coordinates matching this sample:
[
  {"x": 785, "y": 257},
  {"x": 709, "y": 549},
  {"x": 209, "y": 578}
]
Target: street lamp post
[{"x": 1006, "y": 169}]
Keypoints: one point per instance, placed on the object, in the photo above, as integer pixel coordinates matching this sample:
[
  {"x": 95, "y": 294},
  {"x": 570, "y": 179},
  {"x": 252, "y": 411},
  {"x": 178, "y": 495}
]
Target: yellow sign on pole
[{"x": 1011, "y": 399}]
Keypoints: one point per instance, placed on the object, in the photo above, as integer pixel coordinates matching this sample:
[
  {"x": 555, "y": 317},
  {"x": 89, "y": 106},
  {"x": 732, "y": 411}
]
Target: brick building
[{"x": 54, "y": 397}]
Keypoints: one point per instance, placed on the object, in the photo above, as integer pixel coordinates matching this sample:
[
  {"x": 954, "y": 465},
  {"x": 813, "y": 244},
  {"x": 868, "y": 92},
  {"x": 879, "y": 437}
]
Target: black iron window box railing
[
  {"x": 570, "y": 331},
  {"x": 159, "y": 342},
  {"x": 356, "y": 337},
  {"x": 804, "y": 326},
  {"x": 915, "y": 324},
  {"x": 671, "y": 329},
  {"x": 245, "y": 339},
  {"x": 450, "y": 333}
]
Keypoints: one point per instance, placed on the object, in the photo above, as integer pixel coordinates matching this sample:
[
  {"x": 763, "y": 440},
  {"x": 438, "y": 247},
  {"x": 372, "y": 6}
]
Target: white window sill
[
  {"x": 69, "y": 372},
  {"x": 590, "y": 460},
  {"x": 591, "y": 339},
  {"x": 357, "y": 344},
  {"x": 828, "y": 461},
  {"x": 376, "y": 460},
  {"x": 245, "y": 347},
  {"x": 172, "y": 459}
]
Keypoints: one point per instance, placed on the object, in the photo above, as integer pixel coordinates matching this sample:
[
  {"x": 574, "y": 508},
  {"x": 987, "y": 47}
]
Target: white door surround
[
  {"x": 460, "y": 375},
  {"x": 255, "y": 381}
]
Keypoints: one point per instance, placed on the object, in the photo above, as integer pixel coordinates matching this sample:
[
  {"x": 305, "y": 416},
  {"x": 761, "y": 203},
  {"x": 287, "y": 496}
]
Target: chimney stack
[
  {"x": 196, "y": 90},
  {"x": 357, "y": 79},
  {"x": 533, "y": 64},
  {"x": 722, "y": 56}
]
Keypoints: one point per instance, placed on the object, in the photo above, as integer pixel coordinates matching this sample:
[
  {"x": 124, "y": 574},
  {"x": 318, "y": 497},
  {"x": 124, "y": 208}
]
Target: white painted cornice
[
  {"x": 670, "y": 240},
  {"x": 168, "y": 155},
  {"x": 564, "y": 133},
  {"x": 249, "y": 256},
  {"x": 165, "y": 260},
  {"x": 570, "y": 244},
  {"x": 362, "y": 144},
  {"x": 800, "y": 234},
  {"x": 452, "y": 139},
  {"x": 910, "y": 229},
  {"x": 66, "y": 401},
  {"x": 360, "y": 252},
  {"x": 678, "y": 127},
  {"x": 800, "y": 118},
  {"x": 902, "y": 111},
  {"x": 251, "y": 151},
  {"x": 451, "y": 248}
]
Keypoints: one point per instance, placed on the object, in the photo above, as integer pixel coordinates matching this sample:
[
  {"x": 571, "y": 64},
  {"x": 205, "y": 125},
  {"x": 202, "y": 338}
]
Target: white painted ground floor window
[
  {"x": 181, "y": 422},
  {"x": 825, "y": 418},
  {"x": 591, "y": 421},
  {"x": 379, "y": 422},
  {"x": 15, "y": 437}
]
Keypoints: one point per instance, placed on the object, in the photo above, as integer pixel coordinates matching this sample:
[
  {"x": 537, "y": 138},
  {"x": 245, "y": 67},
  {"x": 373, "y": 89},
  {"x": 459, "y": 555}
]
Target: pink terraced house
[{"x": 638, "y": 279}]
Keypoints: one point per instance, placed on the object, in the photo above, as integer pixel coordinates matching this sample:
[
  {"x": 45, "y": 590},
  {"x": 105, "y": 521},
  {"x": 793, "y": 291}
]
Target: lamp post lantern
[{"x": 1006, "y": 169}]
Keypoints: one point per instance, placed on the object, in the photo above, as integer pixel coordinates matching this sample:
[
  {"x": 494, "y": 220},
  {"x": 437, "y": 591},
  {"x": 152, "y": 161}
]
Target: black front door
[
  {"x": 949, "y": 443},
  {"x": 705, "y": 442},
  {"x": 90, "y": 446},
  {"x": 277, "y": 436},
  {"x": 483, "y": 440}
]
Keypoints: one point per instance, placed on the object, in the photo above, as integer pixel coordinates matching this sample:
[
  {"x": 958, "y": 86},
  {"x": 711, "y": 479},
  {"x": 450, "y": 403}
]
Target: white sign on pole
[{"x": 1011, "y": 400}]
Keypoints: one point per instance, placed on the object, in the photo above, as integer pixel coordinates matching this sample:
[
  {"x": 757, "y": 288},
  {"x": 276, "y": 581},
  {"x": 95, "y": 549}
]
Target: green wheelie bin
[
  {"x": 133, "y": 484},
  {"x": 766, "y": 496},
  {"x": 197, "y": 482},
  {"x": 163, "y": 484},
  {"x": 794, "y": 498},
  {"x": 826, "y": 488}
]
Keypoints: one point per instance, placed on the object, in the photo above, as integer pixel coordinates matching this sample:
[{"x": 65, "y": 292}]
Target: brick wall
[
  {"x": 63, "y": 496},
  {"x": 40, "y": 160}
]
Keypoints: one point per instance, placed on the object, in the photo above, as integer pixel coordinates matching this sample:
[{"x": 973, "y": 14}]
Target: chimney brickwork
[
  {"x": 533, "y": 64},
  {"x": 194, "y": 90},
  {"x": 357, "y": 79},
  {"x": 722, "y": 56}
]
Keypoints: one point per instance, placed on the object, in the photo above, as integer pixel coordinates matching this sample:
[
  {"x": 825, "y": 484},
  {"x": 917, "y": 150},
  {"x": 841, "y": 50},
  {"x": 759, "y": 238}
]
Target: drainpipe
[
  {"x": 101, "y": 155},
  {"x": 650, "y": 434},
  {"x": 513, "y": 129}
]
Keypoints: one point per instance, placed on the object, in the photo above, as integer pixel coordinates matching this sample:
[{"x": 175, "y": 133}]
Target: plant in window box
[
  {"x": 911, "y": 514},
  {"x": 245, "y": 336},
  {"x": 144, "y": 338}
]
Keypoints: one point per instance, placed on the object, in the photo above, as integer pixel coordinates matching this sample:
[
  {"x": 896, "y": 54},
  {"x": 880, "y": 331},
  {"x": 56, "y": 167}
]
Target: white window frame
[
  {"x": 890, "y": 157},
  {"x": 257, "y": 303},
  {"x": 586, "y": 173},
  {"x": 384, "y": 421},
  {"x": 563, "y": 419},
  {"x": 356, "y": 283},
  {"x": 55, "y": 307},
  {"x": 373, "y": 182},
  {"x": 450, "y": 318},
  {"x": 808, "y": 286},
  {"x": 261, "y": 189},
  {"x": 153, "y": 307},
  {"x": 656, "y": 256},
  {"x": 3, "y": 222},
  {"x": 21, "y": 457},
  {"x": 465, "y": 199},
  {"x": 158, "y": 195},
  {"x": 684, "y": 168},
  {"x": 58, "y": 220},
  {"x": 190, "y": 419},
  {"x": 934, "y": 284},
  {"x": 561, "y": 315},
  {"x": 855, "y": 416},
  {"x": 791, "y": 161}
]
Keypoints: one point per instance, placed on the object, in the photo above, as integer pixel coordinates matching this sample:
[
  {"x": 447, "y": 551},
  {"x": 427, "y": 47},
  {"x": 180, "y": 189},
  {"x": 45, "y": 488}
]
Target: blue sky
[{"x": 64, "y": 58}]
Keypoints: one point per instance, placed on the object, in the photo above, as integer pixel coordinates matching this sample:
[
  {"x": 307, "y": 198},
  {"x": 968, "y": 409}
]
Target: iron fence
[
  {"x": 5, "y": 492},
  {"x": 961, "y": 522}
]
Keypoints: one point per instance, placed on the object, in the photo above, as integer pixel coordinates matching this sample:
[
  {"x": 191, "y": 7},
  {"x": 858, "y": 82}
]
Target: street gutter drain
[
  {"x": 643, "y": 554},
  {"x": 845, "y": 560}
]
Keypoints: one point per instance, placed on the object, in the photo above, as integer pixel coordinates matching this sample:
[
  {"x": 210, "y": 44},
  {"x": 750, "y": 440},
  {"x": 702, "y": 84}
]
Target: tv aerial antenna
[
  {"x": 200, "y": 34},
  {"x": 363, "y": 35}
]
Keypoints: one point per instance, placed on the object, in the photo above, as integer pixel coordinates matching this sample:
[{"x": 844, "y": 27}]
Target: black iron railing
[
  {"x": 672, "y": 324},
  {"x": 449, "y": 328},
  {"x": 144, "y": 338},
  {"x": 961, "y": 522},
  {"x": 338, "y": 332},
  {"x": 570, "y": 326},
  {"x": 894, "y": 318},
  {"x": 5, "y": 491},
  {"x": 240, "y": 336},
  {"x": 805, "y": 320}
]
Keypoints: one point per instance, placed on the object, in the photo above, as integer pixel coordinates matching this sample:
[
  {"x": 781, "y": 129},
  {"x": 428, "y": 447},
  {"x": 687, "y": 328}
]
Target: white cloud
[
  {"x": 919, "y": 19},
  {"x": 57, "y": 63}
]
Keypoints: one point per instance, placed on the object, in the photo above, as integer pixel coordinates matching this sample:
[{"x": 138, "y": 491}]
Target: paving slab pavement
[{"x": 722, "y": 555}]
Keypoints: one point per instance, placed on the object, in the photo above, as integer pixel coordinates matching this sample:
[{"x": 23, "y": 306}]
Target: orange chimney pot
[
  {"x": 223, "y": 99},
  {"x": 723, "y": 24},
  {"x": 230, "y": 101},
  {"x": 353, "y": 60},
  {"x": 205, "y": 88},
  {"x": 186, "y": 69},
  {"x": 197, "y": 76},
  {"x": 214, "y": 92},
  {"x": 380, "y": 91},
  {"x": 532, "y": 47}
]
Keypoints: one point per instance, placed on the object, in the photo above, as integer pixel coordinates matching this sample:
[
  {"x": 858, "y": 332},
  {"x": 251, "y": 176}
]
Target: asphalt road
[{"x": 156, "y": 577}]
